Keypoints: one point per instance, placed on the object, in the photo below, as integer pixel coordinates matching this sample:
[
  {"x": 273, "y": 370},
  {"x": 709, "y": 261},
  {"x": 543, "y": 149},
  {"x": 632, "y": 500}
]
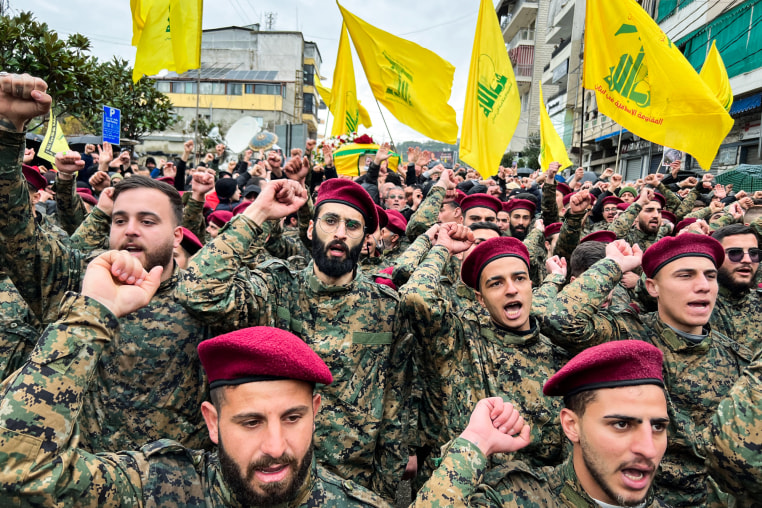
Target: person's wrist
[
  {"x": 65, "y": 176},
  {"x": 257, "y": 214},
  {"x": 476, "y": 440}
]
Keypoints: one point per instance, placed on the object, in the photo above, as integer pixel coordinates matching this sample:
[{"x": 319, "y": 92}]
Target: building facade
[{"x": 267, "y": 75}]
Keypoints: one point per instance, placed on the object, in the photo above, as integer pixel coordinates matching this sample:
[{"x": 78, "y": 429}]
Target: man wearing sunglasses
[{"x": 736, "y": 313}]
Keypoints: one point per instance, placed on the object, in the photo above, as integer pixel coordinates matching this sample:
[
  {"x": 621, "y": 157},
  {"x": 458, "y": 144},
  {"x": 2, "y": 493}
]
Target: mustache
[{"x": 267, "y": 461}]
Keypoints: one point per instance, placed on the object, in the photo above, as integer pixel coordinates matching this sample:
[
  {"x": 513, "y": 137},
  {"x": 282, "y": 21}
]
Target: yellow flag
[
  {"x": 412, "y": 82},
  {"x": 54, "y": 141},
  {"x": 352, "y": 159},
  {"x": 139, "y": 10},
  {"x": 643, "y": 82},
  {"x": 170, "y": 38},
  {"x": 325, "y": 94},
  {"x": 346, "y": 114},
  {"x": 552, "y": 149},
  {"x": 492, "y": 106},
  {"x": 715, "y": 75}
]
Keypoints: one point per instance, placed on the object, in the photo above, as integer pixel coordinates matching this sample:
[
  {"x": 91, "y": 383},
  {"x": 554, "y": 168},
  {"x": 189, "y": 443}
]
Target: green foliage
[
  {"x": 207, "y": 143},
  {"x": 507, "y": 160},
  {"x": 143, "y": 108},
  {"x": 531, "y": 152},
  {"x": 66, "y": 65}
]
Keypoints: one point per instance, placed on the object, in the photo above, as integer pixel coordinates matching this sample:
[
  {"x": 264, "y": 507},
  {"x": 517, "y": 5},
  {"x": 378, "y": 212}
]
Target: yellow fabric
[
  {"x": 53, "y": 142},
  {"x": 139, "y": 10},
  {"x": 325, "y": 94},
  {"x": 643, "y": 82},
  {"x": 492, "y": 106},
  {"x": 170, "y": 39},
  {"x": 552, "y": 149},
  {"x": 346, "y": 114},
  {"x": 351, "y": 158},
  {"x": 715, "y": 75},
  {"x": 412, "y": 82}
]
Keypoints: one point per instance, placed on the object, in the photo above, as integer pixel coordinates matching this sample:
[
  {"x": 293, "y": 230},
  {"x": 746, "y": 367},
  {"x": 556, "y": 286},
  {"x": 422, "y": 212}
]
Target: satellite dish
[{"x": 239, "y": 134}]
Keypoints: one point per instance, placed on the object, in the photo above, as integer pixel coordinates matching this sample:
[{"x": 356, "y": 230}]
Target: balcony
[
  {"x": 560, "y": 25},
  {"x": 522, "y": 59},
  {"x": 524, "y": 37},
  {"x": 516, "y": 15}
]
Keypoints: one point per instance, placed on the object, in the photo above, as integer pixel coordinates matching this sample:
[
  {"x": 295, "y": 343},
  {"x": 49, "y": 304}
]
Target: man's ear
[
  {"x": 310, "y": 229},
  {"x": 212, "y": 419},
  {"x": 570, "y": 424},
  {"x": 479, "y": 298},
  {"x": 652, "y": 287},
  {"x": 178, "y": 234}
]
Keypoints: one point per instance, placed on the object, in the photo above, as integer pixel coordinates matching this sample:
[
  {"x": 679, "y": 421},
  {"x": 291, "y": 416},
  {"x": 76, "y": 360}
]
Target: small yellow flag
[
  {"x": 346, "y": 114},
  {"x": 412, "y": 82},
  {"x": 643, "y": 82},
  {"x": 552, "y": 148},
  {"x": 715, "y": 75},
  {"x": 326, "y": 95},
  {"x": 492, "y": 107},
  {"x": 170, "y": 38},
  {"x": 54, "y": 141}
]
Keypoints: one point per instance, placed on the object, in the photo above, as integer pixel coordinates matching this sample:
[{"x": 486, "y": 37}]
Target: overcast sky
[{"x": 443, "y": 26}]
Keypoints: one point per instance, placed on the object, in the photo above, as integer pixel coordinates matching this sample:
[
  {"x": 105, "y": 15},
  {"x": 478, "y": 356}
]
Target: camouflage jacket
[
  {"x": 463, "y": 480},
  {"x": 624, "y": 227},
  {"x": 427, "y": 214},
  {"x": 466, "y": 357},
  {"x": 149, "y": 382},
  {"x": 739, "y": 316},
  {"x": 697, "y": 376},
  {"x": 549, "y": 205},
  {"x": 41, "y": 466},
  {"x": 360, "y": 431},
  {"x": 20, "y": 328},
  {"x": 71, "y": 210}
]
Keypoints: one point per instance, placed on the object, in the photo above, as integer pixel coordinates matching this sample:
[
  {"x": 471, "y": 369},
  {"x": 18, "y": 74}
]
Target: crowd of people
[{"x": 262, "y": 331}]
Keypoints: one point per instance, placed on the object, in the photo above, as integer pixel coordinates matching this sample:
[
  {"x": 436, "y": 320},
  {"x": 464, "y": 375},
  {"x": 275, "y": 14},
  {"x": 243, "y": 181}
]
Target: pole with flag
[
  {"x": 492, "y": 107},
  {"x": 715, "y": 75},
  {"x": 552, "y": 148}
]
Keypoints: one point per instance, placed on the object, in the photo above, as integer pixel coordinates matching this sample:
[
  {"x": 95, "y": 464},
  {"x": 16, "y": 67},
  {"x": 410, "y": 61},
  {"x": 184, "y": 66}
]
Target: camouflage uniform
[
  {"x": 40, "y": 405},
  {"x": 466, "y": 357},
  {"x": 463, "y": 479},
  {"x": 20, "y": 328},
  {"x": 149, "y": 383},
  {"x": 739, "y": 316},
  {"x": 71, "y": 210},
  {"x": 549, "y": 205},
  {"x": 697, "y": 376},
  {"x": 427, "y": 214},
  {"x": 360, "y": 429}
]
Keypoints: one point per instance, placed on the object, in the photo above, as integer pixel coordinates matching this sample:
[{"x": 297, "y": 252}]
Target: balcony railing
[
  {"x": 560, "y": 47},
  {"x": 524, "y": 34},
  {"x": 523, "y": 70}
]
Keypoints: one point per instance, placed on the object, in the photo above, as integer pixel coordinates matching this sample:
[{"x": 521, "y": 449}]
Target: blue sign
[{"x": 112, "y": 125}]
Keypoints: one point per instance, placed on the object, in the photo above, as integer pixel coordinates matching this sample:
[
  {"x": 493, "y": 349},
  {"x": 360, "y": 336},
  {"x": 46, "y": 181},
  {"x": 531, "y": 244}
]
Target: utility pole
[
  {"x": 5, "y": 7},
  {"x": 270, "y": 19}
]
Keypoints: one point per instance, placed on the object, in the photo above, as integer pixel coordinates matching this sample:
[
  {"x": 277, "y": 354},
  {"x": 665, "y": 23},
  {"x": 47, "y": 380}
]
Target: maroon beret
[
  {"x": 219, "y": 217},
  {"x": 519, "y": 204},
  {"x": 683, "y": 224},
  {"x": 488, "y": 251},
  {"x": 241, "y": 207},
  {"x": 671, "y": 248},
  {"x": 350, "y": 193},
  {"x": 657, "y": 197},
  {"x": 190, "y": 242},
  {"x": 260, "y": 353},
  {"x": 87, "y": 196},
  {"x": 552, "y": 229},
  {"x": 385, "y": 279},
  {"x": 603, "y": 235},
  {"x": 481, "y": 200},
  {"x": 34, "y": 178},
  {"x": 612, "y": 200},
  {"x": 610, "y": 365},
  {"x": 397, "y": 222},
  {"x": 167, "y": 179},
  {"x": 563, "y": 188},
  {"x": 666, "y": 214},
  {"x": 459, "y": 196},
  {"x": 383, "y": 219},
  {"x": 623, "y": 206}
]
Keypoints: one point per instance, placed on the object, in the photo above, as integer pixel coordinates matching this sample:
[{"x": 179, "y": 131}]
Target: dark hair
[
  {"x": 144, "y": 182},
  {"x": 586, "y": 255},
  {"x": 485, "y": 225},
  {"x": 453, "y": 204},
  {"x": 732, "y": 230},
  {"x": 579, "y": 401}
]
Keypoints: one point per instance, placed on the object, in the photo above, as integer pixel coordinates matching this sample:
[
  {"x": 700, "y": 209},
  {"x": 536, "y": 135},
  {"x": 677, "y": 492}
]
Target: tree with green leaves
[
  {"x": 28, "y": 46},
  {"x": 531, "y": 151},
  {"x": 143, "y": 108}
]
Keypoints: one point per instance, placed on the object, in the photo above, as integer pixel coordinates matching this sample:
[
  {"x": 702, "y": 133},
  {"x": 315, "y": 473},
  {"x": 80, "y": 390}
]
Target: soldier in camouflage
[
  {"x": 641, "y": 223},
  {"x": 347, "y": 319},
  {"x": 149, "y": 384},
  {"x": 700, "y": 364},
  {"x": 264, "y": 409}
]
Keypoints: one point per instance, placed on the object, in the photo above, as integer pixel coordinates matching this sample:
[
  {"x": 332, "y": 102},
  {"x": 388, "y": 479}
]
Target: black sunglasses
[{"x": 736, "y": 254}]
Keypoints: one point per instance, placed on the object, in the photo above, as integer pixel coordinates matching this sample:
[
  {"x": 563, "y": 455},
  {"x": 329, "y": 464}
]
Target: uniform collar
[
  {"x": 318, "y": 286},
  {"x": 496, "y": 333}
]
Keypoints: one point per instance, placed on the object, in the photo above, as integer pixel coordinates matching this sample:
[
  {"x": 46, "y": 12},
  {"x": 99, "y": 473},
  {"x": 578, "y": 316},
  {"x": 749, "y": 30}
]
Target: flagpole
[
  {"x": 387, "y": 127},
  {"x": 195, "y": 130},
  {"x": 619, "y": 147}
]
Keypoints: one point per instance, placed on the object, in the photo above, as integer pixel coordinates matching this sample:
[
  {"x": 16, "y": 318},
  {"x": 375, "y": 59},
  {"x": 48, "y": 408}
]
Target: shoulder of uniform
[
  {"x": 738, "y": 348},
  {"x": 165, "y": 447},
  {"x": 350, "y": 489},
  {"x": 365, "y": 279},
  {"x": 276, "y": 265}
]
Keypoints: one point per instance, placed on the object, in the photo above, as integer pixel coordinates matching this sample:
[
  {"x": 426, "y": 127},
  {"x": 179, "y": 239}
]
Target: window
[
  {"x": 309, "y": 74},
  {"x": 164, "y": 86},
  {"x": 234, "y": 88},
  {"x": 188, "y": 87},
  {"x": 309, "y": 104},
  {"x": 262, "y": 89}
]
